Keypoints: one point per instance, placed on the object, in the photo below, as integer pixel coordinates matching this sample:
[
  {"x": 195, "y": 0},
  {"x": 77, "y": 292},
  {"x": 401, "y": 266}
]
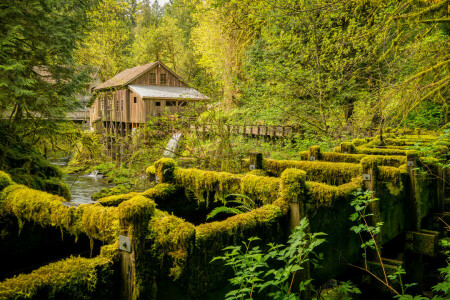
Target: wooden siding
[
  {"x": 171, "y": 80},
  {"x": 119, "y": 106}
]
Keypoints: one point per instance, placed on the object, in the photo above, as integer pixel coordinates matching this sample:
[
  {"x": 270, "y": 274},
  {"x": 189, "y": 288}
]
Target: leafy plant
[
  {"x": 253, "y": 269},
  {"x": 242, "y": 204}
]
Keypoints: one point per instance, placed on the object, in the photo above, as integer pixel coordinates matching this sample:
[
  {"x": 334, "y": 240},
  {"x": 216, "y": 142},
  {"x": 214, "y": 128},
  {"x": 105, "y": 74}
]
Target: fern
[{"x": 245, "y": 204}]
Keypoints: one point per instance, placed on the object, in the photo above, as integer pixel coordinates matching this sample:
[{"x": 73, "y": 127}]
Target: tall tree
[
  {"x": 37, "y": 73},
  {"x": 107, "y": 44}
]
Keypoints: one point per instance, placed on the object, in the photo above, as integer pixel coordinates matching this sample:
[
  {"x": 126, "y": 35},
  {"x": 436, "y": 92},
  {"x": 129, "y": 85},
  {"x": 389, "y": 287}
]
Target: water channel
[{"x": 82, "y": 187}]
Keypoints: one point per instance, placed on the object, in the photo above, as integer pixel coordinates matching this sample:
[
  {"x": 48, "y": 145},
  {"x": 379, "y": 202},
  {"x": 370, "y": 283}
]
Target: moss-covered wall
[
  {"x": 71, "y": 278},
  {"x": 327, "y": 172},
  {"x": 26, "y": 204}
]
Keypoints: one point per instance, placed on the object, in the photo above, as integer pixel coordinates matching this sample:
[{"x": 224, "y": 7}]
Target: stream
[{"x": 82, "y": 187}]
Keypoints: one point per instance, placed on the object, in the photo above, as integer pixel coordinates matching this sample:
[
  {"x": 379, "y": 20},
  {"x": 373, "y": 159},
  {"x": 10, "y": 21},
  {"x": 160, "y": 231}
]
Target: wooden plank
[
  {"x": 255, "y": 130},
  {"x": 270, "y": 130},
  {"x": 262, "y": 130}
]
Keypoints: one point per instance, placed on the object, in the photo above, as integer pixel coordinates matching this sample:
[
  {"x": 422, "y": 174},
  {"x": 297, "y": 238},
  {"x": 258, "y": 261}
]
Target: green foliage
[
  {"x": 241, "y": 204},
  {"x": 342, "y": 291},
  {"x": 253, "y": 274}
]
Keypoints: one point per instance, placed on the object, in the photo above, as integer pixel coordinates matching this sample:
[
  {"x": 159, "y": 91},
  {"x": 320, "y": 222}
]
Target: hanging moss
[
  {"x": 321, "y": 194},
  {"x": 204, "y": 184},
  {"x": 5, "y": 180},
  {"x": 172, "y": 237},
  {"x": 71, "y": 278},
  {"x": 331, "y": 173},
  {"x": 262, "y": 190},
  {"x": 26, "y": 204},
  {"x": 137, "y": 210}
]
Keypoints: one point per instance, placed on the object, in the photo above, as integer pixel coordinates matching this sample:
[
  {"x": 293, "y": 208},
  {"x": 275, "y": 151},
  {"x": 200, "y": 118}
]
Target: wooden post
[
  {"x": 314, "y": 153},
  {"x": 412, "y": 210},
  {"x": 256, "y": 161}
]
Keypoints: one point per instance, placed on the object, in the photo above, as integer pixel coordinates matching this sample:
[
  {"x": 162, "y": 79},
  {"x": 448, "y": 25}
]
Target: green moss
[
  {"x": 315, "y": 152},
  {"x": 151, "y": 172},
  {"x": 379, "y": 151},
  {"x": 233, "y": 227},
  {"x": 115, "y": 190},
  {"x": 115, "y": 200},
  {"x": 208, "y": 185},
  {"x": 331, "y": 173},
  {"x": 137, "y": 210},
  {"x": 321, "y": 194},
  {"x": 348, "y": 147},
  {"x": 293, "y": 184},
  {"x": 26, "y": 204},
  {"x": 5, "y": 180},
  {"x": 58, "y": 187},
  {"x": 359, "y": 142},
  {"x": 262, "y": 190},
  {"x": 304, "y": 155},
  {"x": 164, "y": 169},
  {"x": 172, "y": 237},
  {"x": 283, "y": 204},
  {"x": 258, "y": 172},
  {"x": 161, "y": 192},
  {"x": 341, "y": 157},
  {"x": 383, "y": 160},
  {"x": 71, "y": 278}
]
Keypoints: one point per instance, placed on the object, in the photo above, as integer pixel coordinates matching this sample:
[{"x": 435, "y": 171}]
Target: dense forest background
[{"x": 324, "y": 65}]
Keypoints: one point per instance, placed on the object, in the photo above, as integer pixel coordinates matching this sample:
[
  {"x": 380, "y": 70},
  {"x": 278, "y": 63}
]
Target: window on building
[
  {"x": 152, "y": 78},
  {"x": 182, "y": 103},
  {"x": 134, "y": 100},
  {"x": 162, "y": 79},
  {"x": 122, "y": 101},
  {"x": 158, "y": 103},
  {"x": 117, "y": 105},
  {"x": 171, "y": 103}
]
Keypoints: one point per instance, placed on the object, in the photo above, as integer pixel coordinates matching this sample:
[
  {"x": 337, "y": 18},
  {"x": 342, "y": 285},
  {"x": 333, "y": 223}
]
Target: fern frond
[{"x": 223, "y": 209}]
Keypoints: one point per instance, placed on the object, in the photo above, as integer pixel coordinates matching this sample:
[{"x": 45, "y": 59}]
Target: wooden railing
[{"x": 254, "y": 130}]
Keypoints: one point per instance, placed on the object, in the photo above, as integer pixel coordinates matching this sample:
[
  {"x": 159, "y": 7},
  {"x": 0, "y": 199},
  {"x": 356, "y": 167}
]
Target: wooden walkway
[{"x": 251, "y": 130}]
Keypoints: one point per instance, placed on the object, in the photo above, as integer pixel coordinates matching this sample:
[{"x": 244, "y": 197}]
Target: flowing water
[
  {"x": 82, "y": 187},
  {"x": 172, "y": 145}
]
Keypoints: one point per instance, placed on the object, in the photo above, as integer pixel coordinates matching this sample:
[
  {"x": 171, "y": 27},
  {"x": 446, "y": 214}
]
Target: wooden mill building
[{"x": 135, "y": 95}]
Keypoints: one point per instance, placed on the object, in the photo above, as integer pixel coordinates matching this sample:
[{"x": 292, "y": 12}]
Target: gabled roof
[
  {"x": 167, "y": 92},
  {"x": 127, "y": 76}
]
